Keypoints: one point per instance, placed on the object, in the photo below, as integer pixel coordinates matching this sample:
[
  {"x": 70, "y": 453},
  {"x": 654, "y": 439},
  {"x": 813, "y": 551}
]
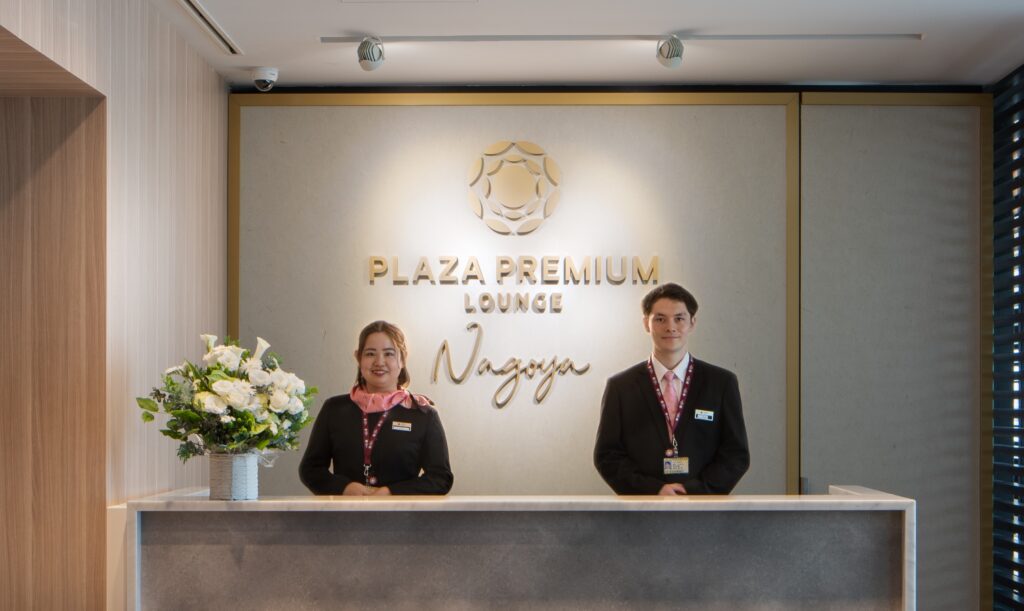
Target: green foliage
[{"x": 186, "y": 415}]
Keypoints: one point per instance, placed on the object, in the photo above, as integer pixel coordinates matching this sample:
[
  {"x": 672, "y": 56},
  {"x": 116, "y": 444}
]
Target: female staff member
[{"x": 380, "y": 438}]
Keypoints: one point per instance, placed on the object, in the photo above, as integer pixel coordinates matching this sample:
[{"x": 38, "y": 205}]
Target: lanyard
[
  {"x": 368, "y": 441},
  {"x": 669, "y": 422}
]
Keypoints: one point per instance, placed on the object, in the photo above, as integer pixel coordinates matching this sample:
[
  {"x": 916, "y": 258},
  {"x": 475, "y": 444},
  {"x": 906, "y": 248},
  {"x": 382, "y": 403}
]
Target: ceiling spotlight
[
  {"x": 370, "y": 53},
  {"x": 264, "y": 78},
  {"x": 670, "y": 52}
]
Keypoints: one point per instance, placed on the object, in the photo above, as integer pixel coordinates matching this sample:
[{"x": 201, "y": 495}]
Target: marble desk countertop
[{"x": 840, "y": 498}]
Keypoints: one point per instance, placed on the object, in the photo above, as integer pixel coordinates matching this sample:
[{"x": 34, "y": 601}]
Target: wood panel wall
[
  {"x": 52, "y": 363},
  {"x": 166, "y": 208},
  {"x": 28, "y": 72},
  {"x": 164, "y": 224}
]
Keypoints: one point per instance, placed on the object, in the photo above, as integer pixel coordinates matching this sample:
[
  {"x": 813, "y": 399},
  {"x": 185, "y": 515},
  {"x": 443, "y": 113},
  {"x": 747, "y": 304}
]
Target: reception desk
[{"x": 853, "y": 548}]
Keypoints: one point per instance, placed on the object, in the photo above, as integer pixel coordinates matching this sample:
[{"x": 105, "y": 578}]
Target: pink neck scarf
[{"x": 373, "y": 402}]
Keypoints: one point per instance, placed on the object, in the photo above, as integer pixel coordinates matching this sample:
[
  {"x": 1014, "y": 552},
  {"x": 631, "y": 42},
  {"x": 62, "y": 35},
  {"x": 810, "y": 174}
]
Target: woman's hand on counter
[
  {"x": 355, "y": 489},
  {"x": 672, "y": 490}
]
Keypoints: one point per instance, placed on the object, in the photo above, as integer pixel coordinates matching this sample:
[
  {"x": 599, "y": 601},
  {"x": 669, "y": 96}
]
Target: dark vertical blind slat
[{"x": 1007, "y": 341}]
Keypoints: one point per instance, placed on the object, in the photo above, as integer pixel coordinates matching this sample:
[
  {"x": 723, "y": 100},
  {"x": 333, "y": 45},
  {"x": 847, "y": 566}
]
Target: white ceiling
[{"x": 966, "y": 42}]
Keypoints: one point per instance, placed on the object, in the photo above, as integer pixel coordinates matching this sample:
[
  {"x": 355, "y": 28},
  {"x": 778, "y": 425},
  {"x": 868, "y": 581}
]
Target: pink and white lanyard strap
[
  {"x": 368, "y": 441},
  {"x": 669, "y": 422}
]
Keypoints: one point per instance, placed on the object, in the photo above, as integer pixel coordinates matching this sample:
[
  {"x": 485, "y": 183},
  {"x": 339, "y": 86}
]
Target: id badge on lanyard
[
  {"x": 369, "y": 440},
  {"x": 673, "y": 463}
]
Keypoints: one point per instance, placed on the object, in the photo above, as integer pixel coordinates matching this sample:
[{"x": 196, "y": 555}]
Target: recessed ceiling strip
[
  {"x": 210, "y": 26},
  {"x": 617, "y": 37}
]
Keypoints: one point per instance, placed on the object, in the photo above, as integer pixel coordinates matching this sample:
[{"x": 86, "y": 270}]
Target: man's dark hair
[{"x": 669, "y": 290}]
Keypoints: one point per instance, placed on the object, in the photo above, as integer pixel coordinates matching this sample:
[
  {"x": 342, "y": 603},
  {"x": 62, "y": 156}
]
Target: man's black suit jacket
[{"x": 632, "y": 436}]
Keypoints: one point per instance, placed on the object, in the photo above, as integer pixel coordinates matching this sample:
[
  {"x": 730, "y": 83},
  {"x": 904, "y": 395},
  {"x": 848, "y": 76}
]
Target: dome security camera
[
  {"x": 264, "y": 78},
  {"x": 370, "y": 53},
  {"x": 670, "y": 52}
]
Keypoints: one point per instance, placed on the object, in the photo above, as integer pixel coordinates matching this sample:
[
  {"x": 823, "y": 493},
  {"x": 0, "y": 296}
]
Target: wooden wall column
[{"x": 52, "y": 351}]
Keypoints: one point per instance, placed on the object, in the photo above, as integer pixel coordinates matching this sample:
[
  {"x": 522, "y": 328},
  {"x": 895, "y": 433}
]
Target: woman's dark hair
[{"x": 397, "y": 338}]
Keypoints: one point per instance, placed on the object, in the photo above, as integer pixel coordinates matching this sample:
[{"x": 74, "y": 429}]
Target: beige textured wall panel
[
  {"x": 701, "y": 187},
  {"x": 166, "y": 177},
  {"x": 891, "y": 321}
]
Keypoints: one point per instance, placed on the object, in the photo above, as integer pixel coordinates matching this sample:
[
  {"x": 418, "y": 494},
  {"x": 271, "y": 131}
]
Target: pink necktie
[{"x": 668, "y": 389}]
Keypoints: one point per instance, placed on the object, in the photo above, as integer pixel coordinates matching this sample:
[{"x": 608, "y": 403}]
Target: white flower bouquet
[{"x": 237, "y": 402}]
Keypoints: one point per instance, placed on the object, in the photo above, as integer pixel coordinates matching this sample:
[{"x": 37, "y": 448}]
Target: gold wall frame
[
  {"x": 791, "y": 101},
  {"x": 983, "y": 102}
]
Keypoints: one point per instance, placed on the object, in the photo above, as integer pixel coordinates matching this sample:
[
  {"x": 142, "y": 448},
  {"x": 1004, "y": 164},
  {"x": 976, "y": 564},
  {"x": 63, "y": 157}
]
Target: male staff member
[{"x": 672, "y": 424}]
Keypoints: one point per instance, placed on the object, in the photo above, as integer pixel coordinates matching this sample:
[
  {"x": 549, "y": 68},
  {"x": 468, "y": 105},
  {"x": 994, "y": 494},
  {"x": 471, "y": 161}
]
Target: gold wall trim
[
  {"x": 234, "y": 203},
  {"x": 509, "y": 99},
  {"x": 983, "y": 101},
  {"x": 986, "y": 155},
  {"x": 793, "y": 413},
  {"x": 791, "y": 101},
  {"x": 896, "y": 99}
]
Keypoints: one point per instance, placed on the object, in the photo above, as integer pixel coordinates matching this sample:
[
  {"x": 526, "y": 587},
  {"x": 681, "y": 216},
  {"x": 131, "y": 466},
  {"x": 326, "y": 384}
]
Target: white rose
[
  {"x": 258, "y": 377},
  {"x": 296, "y": 386},
  {"x": 236, "y": 392},
  {"x": 244, "y": 387},
  {"x": 223, "y": 387},
  {"x": 279, "y": 377},
  {"x": 287, "y": 424},
  {"x": 242, "y": 403},
  {"x": 279, "y": 401},
  {"x": 211, "y": 403},
  {"x": 230, "y": 357},
  {"x": 295, "y": 405},
  {"x": 195, "y": 440},
  {"x": 261, "y": 415}
]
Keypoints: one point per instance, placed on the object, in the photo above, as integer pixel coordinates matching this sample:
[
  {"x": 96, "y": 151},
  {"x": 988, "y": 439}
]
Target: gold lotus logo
[{"x": 513, "y": 187}]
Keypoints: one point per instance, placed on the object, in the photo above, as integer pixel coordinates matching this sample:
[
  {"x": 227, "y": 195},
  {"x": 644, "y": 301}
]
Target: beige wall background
[
  {"x": 702, "y": 187},
  {"x": 166, "y": 175},
  {"x": 891, "y": 321}
]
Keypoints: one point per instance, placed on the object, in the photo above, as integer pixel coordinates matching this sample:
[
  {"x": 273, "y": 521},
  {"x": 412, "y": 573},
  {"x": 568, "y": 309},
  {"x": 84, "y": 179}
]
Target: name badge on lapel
[
  {"x": 704, "y": 414},
  {"x": 401, "y": 426}
]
